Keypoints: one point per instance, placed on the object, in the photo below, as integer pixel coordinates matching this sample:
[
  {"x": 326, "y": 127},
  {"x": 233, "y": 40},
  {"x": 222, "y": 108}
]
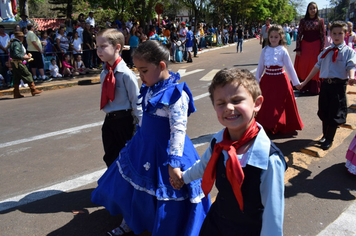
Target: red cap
[{"x": 183, "y": 23}]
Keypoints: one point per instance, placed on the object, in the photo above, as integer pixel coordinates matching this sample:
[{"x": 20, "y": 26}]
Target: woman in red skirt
[
  {"x": 310, "y": 42},
  {"x": 279, "y": 112}
]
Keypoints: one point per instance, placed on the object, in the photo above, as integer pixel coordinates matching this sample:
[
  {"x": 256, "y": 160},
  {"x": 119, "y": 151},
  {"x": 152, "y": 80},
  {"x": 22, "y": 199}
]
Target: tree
[
  {"x": 196, "y": 6},
  {"x": 340, "y": 9},
  {"x": 63, "y": 7}
]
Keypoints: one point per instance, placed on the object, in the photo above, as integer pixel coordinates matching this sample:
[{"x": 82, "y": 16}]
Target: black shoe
[
  {"x": 322, "y": 140},
  {"x": 326, "y": 145}
]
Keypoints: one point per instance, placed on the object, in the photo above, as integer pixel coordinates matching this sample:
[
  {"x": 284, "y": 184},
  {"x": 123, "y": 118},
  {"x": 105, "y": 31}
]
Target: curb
[{"x": 55, "y": 85}]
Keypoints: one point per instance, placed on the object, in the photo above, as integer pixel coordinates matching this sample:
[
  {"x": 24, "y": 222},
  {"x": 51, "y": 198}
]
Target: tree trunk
[{"x": 23, "y": 7}]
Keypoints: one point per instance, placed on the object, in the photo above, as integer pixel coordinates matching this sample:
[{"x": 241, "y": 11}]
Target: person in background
[
  {"x": 88, "y": 46},
  {"x": 189, "y": 44},
  {"x": 4, "y": 43},
  {"x": 337, "y": 69},
  {"x": 240, "y": 38},
  {"x": 19, "y": 70},
  {"x": 310, "y": 42},
  {"x": 90, "y": 19},
  {"x": 24, "y": 21},
  {"x": 34, "y": 47},
  {"x": 264, "y": 32},
  {"x": 68, "y": 69},
  {"x": 79, "y": 65},
  {"x": 54, "y": 69},
  {"x": 134, "y": 42},
  {"x": 77, "y": 45}
]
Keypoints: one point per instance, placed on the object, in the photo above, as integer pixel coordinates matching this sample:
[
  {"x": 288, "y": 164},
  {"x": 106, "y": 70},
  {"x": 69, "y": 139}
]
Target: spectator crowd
[{"x": 59, "y": 48}]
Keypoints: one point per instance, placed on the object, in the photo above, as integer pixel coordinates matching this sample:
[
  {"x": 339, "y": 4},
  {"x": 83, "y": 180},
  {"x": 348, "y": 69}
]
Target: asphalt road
[{"x": 51, "y": 156}]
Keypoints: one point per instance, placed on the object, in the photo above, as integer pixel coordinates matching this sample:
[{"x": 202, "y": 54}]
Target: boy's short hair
[
  {"x": 339, "y": 24},
  {"x": 114, "y": 37},
  {"x": 235, "y": 75},
  {"x": 53, "y": 59}
]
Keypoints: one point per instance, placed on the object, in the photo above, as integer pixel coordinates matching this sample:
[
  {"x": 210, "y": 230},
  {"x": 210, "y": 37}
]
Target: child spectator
[
  {"x": 336, "y": 70},
  {"x": 54, "y": 70},
  {"x": 279, "y": 112},
  {"x": 137, "y": 185},
  {"x": 248, "y": 167},
  {"x": 174, "y": 39},
  {"x": 68, "y": 69},
  {"x": 79, "y": 66}
]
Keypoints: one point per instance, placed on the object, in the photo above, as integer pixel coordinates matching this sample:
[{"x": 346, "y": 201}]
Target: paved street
[{"x": 51, "y": 156}]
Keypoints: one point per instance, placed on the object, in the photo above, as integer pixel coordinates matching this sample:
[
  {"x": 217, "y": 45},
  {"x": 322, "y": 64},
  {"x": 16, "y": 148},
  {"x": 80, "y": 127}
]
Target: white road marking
[
  {"x": 210, "y": 75},
  {"x": 191, "y": 72},
  {"x": 50, "y": 191},
  {"x": 65, "y": 186},
  {"x": 343, "y": 225},
  {"x": 181, "y": 71},
  {"x": 42, "y": 136}
]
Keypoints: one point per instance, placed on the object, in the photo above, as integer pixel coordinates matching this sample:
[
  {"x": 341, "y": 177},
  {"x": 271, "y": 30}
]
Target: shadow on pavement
[
  {"x": 290, "y": 146},
  {"x": 332, "y": 183}
]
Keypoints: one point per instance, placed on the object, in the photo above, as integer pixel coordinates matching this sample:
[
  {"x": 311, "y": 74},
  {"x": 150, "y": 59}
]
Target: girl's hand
[
  {"x": 175, "y": 177},
  {"x": 300, "y": 86}
]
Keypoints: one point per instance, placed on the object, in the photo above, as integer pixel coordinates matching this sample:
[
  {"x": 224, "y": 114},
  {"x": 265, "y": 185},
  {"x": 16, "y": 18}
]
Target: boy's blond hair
[
  {"x": 235, "y": 75},
  {"x": 114, "y": 37},
  {"x": 339, "y": 24}
]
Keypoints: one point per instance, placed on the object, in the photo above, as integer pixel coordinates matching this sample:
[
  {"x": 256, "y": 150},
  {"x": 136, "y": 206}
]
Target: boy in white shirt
[{"x": 54, "y": 70}]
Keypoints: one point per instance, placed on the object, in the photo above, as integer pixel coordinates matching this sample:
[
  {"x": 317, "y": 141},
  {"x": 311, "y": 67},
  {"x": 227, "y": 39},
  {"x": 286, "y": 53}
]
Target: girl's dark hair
[
  {"x": 152, "y": 51},
  {"x": 307, "y": 16}
]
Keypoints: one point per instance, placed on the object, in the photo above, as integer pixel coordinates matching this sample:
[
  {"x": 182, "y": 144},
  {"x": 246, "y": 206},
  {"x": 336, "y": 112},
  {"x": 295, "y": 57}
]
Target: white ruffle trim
[
  {"x": 350, "y": 167},
  {"x": 153, "y": 193}
]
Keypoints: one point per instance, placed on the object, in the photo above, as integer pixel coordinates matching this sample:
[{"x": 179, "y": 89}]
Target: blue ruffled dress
[{"x": 137, "y": 184}]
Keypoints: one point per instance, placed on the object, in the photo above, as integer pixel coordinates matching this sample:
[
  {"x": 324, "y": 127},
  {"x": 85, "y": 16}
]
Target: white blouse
[{"x": 276, "y": 56}]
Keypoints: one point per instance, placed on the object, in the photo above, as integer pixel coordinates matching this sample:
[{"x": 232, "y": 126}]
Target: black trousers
[
  {"x": 332, "y": 102},
  {"x": 116, "y": 131}
]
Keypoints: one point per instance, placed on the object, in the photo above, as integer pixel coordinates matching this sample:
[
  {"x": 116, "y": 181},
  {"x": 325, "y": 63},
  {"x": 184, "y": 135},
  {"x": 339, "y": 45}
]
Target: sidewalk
[{"x": 57, "y": 83}]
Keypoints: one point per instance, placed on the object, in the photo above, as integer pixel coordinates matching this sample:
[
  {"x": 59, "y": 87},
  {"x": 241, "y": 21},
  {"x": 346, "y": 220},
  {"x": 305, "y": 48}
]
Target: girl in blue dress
[{"x": 137, "y": 184}]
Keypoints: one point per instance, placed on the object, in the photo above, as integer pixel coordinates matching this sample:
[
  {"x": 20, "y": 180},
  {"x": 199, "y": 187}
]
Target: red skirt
[
  {"x": 279, "y": 112},
  {"x": 304, "y": 63}
]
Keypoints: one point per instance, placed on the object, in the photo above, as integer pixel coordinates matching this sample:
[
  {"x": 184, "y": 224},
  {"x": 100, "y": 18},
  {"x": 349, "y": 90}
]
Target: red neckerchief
[
  {"x": 108, "y": 89},
  {"x": 234, "y": 171},
  {"x": 336, "y": 51},
  {"x": 267, "y": 27}
]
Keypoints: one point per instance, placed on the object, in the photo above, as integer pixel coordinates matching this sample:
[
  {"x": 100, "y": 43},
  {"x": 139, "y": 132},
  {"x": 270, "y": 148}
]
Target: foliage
[{"x": 340, "y": 9}]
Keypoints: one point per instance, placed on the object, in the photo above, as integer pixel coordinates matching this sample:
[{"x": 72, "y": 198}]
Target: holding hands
[{"x": 175, "y": 177}]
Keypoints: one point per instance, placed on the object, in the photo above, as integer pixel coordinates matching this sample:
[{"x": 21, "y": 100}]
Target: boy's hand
[
  {"x": 352, "y": 82},
  {"x": 175, "y": 177},
  {"x": 300, "y": 86}
]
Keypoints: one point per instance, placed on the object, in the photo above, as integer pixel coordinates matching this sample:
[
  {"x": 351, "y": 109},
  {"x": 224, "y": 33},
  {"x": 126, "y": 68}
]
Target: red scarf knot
[
  {"x": 336, "y": 51},
  {"x": 234, "y": 171},
  {"x": 108, "y": 88}
]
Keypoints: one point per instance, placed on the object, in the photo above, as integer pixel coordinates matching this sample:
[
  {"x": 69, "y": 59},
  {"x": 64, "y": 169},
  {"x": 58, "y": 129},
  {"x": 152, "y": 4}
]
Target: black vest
[{"x": 248, "y": 222}]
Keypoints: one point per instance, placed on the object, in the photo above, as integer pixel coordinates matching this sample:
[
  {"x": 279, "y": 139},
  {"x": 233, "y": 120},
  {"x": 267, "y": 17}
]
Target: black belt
[
  {"x": 119, "y": 114},
  {"x": 334, "y": 81}
]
